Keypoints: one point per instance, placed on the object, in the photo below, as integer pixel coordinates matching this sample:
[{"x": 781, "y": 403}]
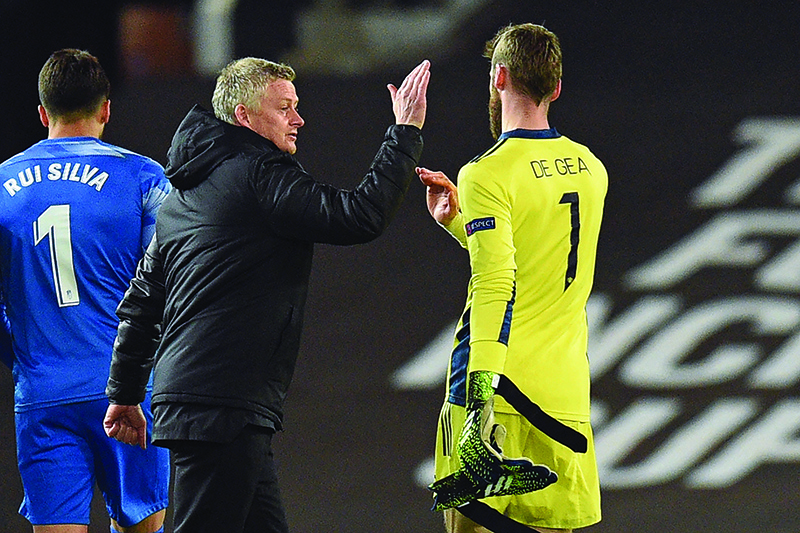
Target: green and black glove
[{"x": 485, "y": 470}]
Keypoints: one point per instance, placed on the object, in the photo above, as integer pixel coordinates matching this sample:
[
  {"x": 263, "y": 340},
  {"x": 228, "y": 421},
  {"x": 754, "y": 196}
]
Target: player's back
[
  {"x": 556, "y": 216},
  {"x": 554, "y": 191},
  {"x": 72, "y": 219}
]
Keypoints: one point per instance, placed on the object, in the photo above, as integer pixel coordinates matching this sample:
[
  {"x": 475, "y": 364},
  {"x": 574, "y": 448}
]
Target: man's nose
[{"x": 297, "y": 119}]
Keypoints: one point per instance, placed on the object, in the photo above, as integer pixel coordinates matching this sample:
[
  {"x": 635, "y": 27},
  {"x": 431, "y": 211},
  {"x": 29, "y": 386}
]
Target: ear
[
  {"x": 45, "y": 120},
  {"x": 240, "y": 113},
  {"x": 105, "y": 112},
  {"x": 557, "y": 92},
  {"x": 500, "y": 77}
]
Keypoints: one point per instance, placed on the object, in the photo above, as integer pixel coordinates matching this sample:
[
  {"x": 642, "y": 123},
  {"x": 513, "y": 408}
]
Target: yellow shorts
[{"x": 570, "y": 503}]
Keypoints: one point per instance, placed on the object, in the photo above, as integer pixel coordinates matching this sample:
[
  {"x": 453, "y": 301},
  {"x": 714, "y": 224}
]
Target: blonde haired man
[{"x": 221, "y": 290}]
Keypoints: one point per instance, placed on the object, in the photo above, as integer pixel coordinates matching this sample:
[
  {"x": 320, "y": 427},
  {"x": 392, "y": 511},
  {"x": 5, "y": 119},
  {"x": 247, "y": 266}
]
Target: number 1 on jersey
[
  {"x": 55, "y": 224},
  {"x": 571, "y": 198}
]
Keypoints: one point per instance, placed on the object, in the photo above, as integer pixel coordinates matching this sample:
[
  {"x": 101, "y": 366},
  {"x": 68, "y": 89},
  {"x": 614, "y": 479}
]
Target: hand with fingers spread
[
  {"x": 127, "y": 424},
  {"x": 442, "y": 195},
  {"x": 409, "y": 102}
]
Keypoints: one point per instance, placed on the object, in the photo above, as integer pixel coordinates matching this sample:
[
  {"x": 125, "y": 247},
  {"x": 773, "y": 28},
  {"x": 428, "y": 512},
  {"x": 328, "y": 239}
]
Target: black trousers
[{"x": 227, "y": 488}]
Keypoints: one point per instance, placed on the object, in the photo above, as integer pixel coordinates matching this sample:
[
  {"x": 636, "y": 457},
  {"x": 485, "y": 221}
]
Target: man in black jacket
[{"x": 221, "y": 290}]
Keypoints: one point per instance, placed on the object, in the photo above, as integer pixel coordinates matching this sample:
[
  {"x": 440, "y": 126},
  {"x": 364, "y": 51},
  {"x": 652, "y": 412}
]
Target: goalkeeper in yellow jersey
[{"x": 514, "y": 449}]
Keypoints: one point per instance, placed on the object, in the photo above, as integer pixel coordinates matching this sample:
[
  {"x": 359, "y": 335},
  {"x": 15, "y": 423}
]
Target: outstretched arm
[{"x": 299, "y": 207}]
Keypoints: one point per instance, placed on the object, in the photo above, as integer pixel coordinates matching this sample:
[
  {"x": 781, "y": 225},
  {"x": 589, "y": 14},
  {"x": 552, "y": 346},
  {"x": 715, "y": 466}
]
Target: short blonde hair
[{"x": 243, "y": 81}]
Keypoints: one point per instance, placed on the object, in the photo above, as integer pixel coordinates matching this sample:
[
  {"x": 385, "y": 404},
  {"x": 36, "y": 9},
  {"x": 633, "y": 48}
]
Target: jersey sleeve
[
  {"x": 155, "y": 188},
  {"x": 486, "y": 209},
  {"x": 457, "y": 230}
]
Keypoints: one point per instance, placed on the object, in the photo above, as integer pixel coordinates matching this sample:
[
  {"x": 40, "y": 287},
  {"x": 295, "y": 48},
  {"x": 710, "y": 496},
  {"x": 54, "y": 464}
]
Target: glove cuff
[{"x": 481, "y": 386}]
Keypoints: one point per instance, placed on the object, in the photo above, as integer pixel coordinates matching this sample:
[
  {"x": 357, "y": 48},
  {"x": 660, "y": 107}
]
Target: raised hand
[{"x": 409, "y": 102}]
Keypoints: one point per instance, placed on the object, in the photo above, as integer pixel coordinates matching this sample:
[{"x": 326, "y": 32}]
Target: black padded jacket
[{"x": 217, "y": 301}]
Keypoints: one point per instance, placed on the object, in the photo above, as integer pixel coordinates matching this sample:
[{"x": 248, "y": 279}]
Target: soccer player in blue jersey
[
  {"x": 76, "y": 215},
  {"x": 528, "y": 211}
]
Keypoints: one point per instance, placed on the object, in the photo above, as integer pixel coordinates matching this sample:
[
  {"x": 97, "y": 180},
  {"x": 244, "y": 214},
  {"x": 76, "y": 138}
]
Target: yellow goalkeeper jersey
[{"x": 531, "y": 208}]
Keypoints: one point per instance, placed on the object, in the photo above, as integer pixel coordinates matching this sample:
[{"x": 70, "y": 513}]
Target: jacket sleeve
[
  {"x": 299, "y": 207},
  {"x": 139, "y": 331},
  {"x": 485, "y": 198}
]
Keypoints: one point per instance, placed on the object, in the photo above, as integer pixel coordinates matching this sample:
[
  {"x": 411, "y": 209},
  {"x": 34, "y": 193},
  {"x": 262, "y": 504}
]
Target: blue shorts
[{"x": 63, "y": 451}]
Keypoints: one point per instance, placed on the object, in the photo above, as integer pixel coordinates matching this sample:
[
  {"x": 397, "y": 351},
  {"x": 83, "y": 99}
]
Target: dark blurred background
[{"x": 695, "y": 319}]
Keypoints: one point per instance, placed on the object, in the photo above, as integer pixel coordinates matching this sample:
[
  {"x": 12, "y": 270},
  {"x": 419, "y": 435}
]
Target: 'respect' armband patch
[{"x": 479, "y": 224}]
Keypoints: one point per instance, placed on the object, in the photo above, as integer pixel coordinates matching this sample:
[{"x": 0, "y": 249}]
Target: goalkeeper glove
[
  {"x": 485, "y": 470},
  {"x": 522, "y": 477}
]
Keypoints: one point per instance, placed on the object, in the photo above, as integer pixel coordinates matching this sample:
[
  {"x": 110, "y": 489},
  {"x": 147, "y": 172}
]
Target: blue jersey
[
  {"x": 6, "y": 356},
  {"x": 75, "y": 217}
]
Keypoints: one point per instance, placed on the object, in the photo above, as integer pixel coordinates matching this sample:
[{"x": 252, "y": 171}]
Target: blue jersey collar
[{"x": 530, "y": 134}]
